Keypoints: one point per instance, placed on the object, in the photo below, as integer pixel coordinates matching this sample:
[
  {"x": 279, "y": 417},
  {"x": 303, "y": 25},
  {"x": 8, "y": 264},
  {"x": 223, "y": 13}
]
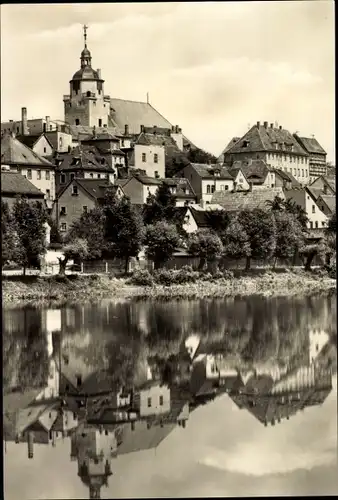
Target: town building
[
  {"x": 196, "y": 216},
  {"x": 323, "y": 185},
  {"x": 13, "y": 184},
  {"x": 34, "y": 126},
  {"x": 38, "y": 143},
  {"x": 38, "y": 170},
  {"x": 93, "y": 449},
  {"x": 77, "y": 197},
  {"x": 317, "y": 156},
  {"x": 221, "y": 158},
  {"x": 305, "y": 199},
  {"x": 327, "y": 204},
  {"x": 274, "y": 145},
  {"x": 108, "y": 146},
  {"x": 206, "y": 179}
]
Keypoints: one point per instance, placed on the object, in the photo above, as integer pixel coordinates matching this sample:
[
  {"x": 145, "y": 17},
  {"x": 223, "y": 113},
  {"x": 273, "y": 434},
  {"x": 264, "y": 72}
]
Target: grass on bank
[{"x": 164, "y": 284}]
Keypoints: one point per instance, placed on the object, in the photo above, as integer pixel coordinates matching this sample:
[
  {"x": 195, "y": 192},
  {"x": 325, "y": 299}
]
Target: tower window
[
  {"x": 144, "y": 157},
  {"x": 77, "y": 121},
  {"x": 155, "y": 158}
]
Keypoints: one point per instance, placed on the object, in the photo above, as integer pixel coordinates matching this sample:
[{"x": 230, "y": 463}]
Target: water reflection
[{"x": 117, "y": 378}]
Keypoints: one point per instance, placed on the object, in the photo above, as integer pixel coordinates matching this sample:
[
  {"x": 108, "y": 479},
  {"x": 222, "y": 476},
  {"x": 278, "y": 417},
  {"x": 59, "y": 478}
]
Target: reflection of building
[{"x": 93, "y": 449}]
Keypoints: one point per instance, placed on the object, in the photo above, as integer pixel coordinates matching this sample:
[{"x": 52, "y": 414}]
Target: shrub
[
  {"x": 141, "y": 277},
  {"x": 332, "y": 271},
  {"x": 165, "y": 277},
  {"x": 187, "y": 275},
  {"x": 228, "y": 274}
]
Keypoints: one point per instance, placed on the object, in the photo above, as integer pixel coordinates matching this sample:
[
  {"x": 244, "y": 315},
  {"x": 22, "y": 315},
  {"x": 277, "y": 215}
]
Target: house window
[
  {"x": 85, "y": 210},
  {"x": 311, "y": 224},
  {"x": 91, "y": 175},
  {"x": 157, "y": 175},
  {"x": 99, "y": 176},
  {"x": 47, "y": 175},
  {"x": 75, "y": 190},
  {"x": 60, "y": 143},
  {"x": 63, "y": 179},
  {"x": 149, "y": 402},
  {"x": 100, "y": 122},
  {"x": 144, "y": 157},
  {"x": 161, "y": 400},
  {"x": 44, "y": 150},
  {"x": 72, "y": 176},
  {"x": 106, "y": 432},
  {"x": 208, "y": 189},
  {"x": 213, "y": 188},
  {"x": 63, "y": 211},
  {"x": 39, "y": 175},
  {"x": 48, "y": 194},
  {"x": 313, "y": 209},
  {"x": 302, "y": 172},
  {"x": 63, "y": 227},
  {"x": 316, "y": 224},
  {"x": 78, "y": 380},
  {"x": 155, "y": 158},
  {"x": 77, "y": 121},
  {"x": 298, "y": 172}
]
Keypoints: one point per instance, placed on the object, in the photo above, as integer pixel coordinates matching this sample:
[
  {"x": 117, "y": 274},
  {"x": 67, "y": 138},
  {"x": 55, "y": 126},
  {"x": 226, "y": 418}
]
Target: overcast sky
[
  {"x": 212, "y": 68},
  {"x": 223, "y": 451}
]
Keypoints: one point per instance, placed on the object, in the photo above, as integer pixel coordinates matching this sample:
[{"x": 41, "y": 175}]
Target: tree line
[{"x": 118, "y": 229}]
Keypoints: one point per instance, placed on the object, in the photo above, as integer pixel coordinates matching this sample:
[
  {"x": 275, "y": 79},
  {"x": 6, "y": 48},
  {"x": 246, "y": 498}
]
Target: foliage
[
  {"x": 207, "y": 245},
  {"x": 30, "y": 219},
  {"x": 124, "y": 229},
  {"x": 76, "y": 249},
  {"x": 90, "y": 227},
  {"x": 289, "y": 235},
  {"x": 161, "y": 206},
  {"x": 11, "y": 249},
  {"x": 291, "y": 207},
  {"x": 332, "y": 228},
  {"x": 55, "y": 236},
  {"x": 142, "y": 277},
  {"x": 310, "y": 250},
  {"x": 218, "y": 220},
  {"x": 235, "y": 240},
  {"x": 197, "y": 155},
  {"x": 260, "y": 227},
  {"x": 162, "y": 240}
]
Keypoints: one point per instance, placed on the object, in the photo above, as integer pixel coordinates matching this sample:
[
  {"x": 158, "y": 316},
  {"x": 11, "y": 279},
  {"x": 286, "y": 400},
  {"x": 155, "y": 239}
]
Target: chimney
[
  {"x": 99, "y": 73},
  {"x": 176, "y": 129},
  {"x": 271, "y": 125},
  {"x": 280, "y": 127},
  {"x": 173, "y": 128},
  {"x": 142, "y": 128},
  {"x": 258, "y": 124},
  {"x": 30, "y": 442},
  {"x": 180, "y": 131},
  {"x": 126, "y": 129},
  {"x": 235, "y": 187},
  {"x": 48, "y": 123},
  {"x": 265, "y": 124},
  {"x": 24, "y": 124}
]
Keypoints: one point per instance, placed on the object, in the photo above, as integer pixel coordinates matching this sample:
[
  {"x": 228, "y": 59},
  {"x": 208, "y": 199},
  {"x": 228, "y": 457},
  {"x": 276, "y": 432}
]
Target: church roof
[
  {"x": 16, "y": 184},
  {"x": 15, "y": 152},
  {"x": 86, "y": 73},
  {"x": 134, "y": 114}
]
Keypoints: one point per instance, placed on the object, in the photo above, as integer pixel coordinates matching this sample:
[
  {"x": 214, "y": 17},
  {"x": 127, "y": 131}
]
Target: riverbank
[{"x": 20, "y": 290}]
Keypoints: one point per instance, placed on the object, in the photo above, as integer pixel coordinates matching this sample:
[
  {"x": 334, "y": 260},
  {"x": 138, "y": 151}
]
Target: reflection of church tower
[
  {"x": 87, "y": 105},
  {"x": 93, "y": 448}
]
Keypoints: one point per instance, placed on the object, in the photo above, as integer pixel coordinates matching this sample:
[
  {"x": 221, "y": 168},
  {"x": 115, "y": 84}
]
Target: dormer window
[{"x": 245, "y": 144}]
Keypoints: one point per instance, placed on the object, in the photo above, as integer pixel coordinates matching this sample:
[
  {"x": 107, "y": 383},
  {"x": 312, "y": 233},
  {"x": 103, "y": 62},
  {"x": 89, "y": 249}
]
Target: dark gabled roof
[
  {"x": 15, "y": 152},
  {"x": 227, "y": 147},
  {"x": 240, "y": 200},
  {"x": 260, "y": 138},
  {"x": 200, "y": 217},
  {"x": 330, "y": 201},
  {"x": 93, "y": 187},
  {"x": 183, "y": 187},
  {"x": 148, "y": 181},
  {"x": 315, "y": 192},
  {"x": 14, "y": 183},
  {"x": 287, "y": 177},
  {"x": 310, "y": 144},
  {"x": 84, "y": 158},
  {"x": 208, "y": 171},
  {"x": 30, "y": 140},
  {"x": 253, "y": 170}
]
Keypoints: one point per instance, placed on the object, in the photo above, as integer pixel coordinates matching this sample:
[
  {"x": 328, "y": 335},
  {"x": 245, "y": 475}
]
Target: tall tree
[
  {"x": 289, "y": 236},
  {"x": 218, "y": 220},
  {"x": 160, "y": 206},
  {"x": 73, "y": 249},
  {"x": 11, "y": 247},
  {"x": 161, "y": 240},
  {"x": 30, "y": 219},
  {"x": 260, "y": 227},
  {"x": 236, "y": 241},
  {"x": 207, "y": 245},
  {"x": 124, "y": 228},
  {"x": 91, "y": 228}
]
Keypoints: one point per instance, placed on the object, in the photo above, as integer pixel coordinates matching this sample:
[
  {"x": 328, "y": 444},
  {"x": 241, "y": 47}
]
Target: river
[{"x": 254, "y": 379}]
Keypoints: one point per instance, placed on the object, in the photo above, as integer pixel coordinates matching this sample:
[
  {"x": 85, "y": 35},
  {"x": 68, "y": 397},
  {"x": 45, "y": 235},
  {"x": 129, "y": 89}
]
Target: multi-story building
[
  {"x": 317, "y": 156},
  {"x": 274, "y": 145},
  {"x": 20, "y": 158},
  {"x": 306, "y": 200},
  {"x": 206, "y": 179},
  {"x": 33, "y": 126}
]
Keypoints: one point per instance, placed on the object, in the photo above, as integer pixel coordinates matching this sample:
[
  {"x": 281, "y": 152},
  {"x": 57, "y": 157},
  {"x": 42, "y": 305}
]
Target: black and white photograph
[{"x": 168, "y": 243}]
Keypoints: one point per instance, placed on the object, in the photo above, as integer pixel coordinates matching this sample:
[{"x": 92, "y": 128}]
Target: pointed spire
[{"x": 85, "y": 35}]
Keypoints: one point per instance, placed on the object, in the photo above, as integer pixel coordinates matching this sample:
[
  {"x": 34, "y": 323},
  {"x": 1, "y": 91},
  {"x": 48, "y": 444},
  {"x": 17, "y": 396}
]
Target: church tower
[{"x": 87, "y": 105}]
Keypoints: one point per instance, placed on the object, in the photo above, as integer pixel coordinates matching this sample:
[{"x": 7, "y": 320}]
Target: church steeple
[{"x": 86, "y": 57}]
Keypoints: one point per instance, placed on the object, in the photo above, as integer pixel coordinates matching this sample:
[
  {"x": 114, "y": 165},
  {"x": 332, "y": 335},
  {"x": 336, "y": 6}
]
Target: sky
[
  {"x": 213, "y": 68},
  {"x": 223, "y": 451}
]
